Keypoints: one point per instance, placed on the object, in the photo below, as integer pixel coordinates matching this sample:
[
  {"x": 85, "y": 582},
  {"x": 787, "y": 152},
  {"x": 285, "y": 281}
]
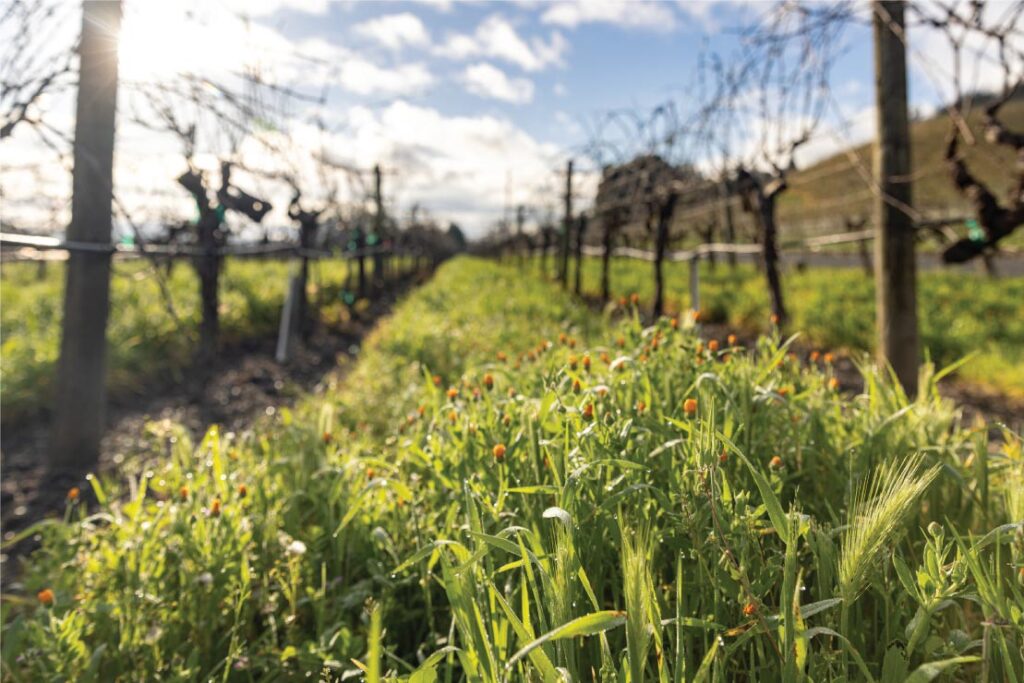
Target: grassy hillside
[
  {"x": 834, "y": 185},
  {"x": 510, "y": 487}
]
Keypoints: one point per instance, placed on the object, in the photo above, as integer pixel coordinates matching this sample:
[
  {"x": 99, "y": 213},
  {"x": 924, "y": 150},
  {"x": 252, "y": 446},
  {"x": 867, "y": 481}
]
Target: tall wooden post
[
  {"x": 895, "y": 267},
  {"x": 378, "y": 225},
  {"x": 664, "y": 218},
  {"x": 520, "y": 222},
  {"x": 80, "y": 407},
  {"x": 563, "y": 271}
]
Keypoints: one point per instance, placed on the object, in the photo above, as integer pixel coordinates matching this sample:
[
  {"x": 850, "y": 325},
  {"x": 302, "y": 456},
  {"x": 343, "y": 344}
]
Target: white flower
[{"x": 297, "y": 548}]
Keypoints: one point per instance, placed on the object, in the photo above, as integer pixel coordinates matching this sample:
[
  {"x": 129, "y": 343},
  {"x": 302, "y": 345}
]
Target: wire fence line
[{"x": 38, "y": 248}]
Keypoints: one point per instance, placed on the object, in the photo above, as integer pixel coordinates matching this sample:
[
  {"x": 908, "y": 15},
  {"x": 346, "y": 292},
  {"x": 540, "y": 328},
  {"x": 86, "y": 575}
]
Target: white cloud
[
  {"x": 365, "y": 78},
  {"x": 649, "y": 15},
  {"x": 262, "y": 8},
  {"x": 487, "y": 80},
  {"x": 495, "y": 37},
  {"x": 701, "y": 11},
  {"x": 395, "y": 31},
  {"x": 454, "y": 166},
  {"x": 439, "y": 5}
]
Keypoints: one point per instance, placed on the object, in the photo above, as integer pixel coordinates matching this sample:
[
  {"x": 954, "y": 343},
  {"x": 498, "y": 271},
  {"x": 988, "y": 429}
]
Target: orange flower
[
  {"x": 437, "y": 380},
  {"x": 421, "y": 410},
  {"x": 576, "y": 386},
  {"x": 674, "y": 322},
  {"x": 695, "y": 314},
  {"x": 605, "y": 358},
  {"x": 502, "y": 356},
  {"x": 622, "y": 301},
  {"x": 731, "y": 339},
  {"x": 784, "y": 391},
  {"x": 46, "y": 596},
  {"x": 452, "y": 392},
  {"x": 654, "y": 344},
  {"x": 499, "y": 452},
  {"x": 215, "y": 507},
  {"x": 476, "y": 393},
  {"x": 723, "y": 456},
  {"x": 713, "y": 345},
  {"x": 73, "y": 494},
  {"x": 586, "y": 362},
  {"x": 573, "y": 361},
  {"x": 506, "y": 420},
  {"x": 511, "y": 392},
  {"x": 370, "y": 473},
  {"x": 634, "y": 298},
  {"x": 183, "y": 493},
  {"x": 453, "y": 416},
  {"x": 749, "y": 609},
  {"x": 572, "y": 342},
  {"x": 327, "y": 437},
  {"x": 833, "y": 383},
  {"x": 562, "y": 337},
  {"x": 243, "y": 491},
  {"x": 621, "y": 341},
  {"x": 640, "y": 406},
  {"x": 643, "y": 358},
  {"x": 488, "y": 381},
  {"x": 588, "y": 411},
  {"x": 774, "y": 318},
  {"x": 690, "y": 406},
  {"x": 828, "y": 358},
  {"x": 775, "y": 463},
  {"x": 815, "y": 356}
]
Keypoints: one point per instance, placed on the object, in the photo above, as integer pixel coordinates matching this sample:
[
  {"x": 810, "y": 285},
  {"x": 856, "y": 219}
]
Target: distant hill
[{"x": 834, "y": 188}]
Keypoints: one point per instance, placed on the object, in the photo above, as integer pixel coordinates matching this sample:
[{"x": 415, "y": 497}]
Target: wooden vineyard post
[
  {"x": 378, "y": 226},
  {"x": 520, "y": 221},
  {"x": 895, "y": 267},
  {"x": 80, "y": 406},
  {"x": 563, "y": 270},
  {"x": 664, "y": 218},
  {"x": 606, "y": 258}
]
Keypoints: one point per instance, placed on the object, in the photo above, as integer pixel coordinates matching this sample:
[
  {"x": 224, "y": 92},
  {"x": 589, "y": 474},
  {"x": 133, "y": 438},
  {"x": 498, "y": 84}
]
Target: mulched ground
[{"x": 247, "y": 383}]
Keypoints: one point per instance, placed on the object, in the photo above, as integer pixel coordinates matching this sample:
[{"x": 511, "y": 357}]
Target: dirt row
[{"x": 246, "y": 384}]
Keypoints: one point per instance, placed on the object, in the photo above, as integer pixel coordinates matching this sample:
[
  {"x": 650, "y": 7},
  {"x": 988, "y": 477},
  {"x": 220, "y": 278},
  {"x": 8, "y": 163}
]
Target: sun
[{"x": 161, "y": 40}]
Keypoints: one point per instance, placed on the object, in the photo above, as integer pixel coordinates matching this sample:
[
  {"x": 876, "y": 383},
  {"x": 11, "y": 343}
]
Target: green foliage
[
  {"x": 145, "y": 342},
  {"x": 960, "y": 313},
  {"x": 613, "y": 535}
]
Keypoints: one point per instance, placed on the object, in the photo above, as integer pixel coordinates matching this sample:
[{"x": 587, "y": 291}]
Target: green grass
[
  {"x": 959, "y": 313},
  {"x": 780, "y": 531},
  {"x": 144, "y": 341}
]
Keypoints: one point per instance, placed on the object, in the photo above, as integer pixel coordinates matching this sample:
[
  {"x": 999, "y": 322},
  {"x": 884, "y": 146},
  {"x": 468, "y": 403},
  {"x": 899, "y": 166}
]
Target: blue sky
[{"x": 471, "y": 107}]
